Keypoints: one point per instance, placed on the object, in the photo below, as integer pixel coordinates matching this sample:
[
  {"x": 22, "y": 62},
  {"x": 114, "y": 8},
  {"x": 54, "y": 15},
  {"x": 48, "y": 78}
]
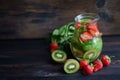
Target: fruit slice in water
[
  {"x": 90, "y": 55},
  {"x": 85, "y": 36},
  {"x": 77, "y": 53},
  {"x": 59, "y": 56},
  {"x": 71, "y": 66}
]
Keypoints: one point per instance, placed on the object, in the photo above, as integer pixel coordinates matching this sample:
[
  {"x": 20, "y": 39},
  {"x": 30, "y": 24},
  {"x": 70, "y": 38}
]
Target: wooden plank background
[{"x": 37, "y": 18}]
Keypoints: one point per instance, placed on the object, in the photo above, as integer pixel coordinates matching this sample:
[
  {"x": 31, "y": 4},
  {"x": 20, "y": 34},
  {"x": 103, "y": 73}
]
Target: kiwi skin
[
  {"x": 58, "y": 60},
  {"x": 71, "y": 61}
]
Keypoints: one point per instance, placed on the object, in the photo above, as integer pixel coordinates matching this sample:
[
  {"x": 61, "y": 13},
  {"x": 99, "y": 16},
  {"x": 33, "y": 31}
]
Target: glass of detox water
[{"x": 87, "y": 41}]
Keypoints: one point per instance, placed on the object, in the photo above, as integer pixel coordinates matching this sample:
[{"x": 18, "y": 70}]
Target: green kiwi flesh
[
  {"x": 59, "y": 56},
  {"x": 71, "y": 66}
]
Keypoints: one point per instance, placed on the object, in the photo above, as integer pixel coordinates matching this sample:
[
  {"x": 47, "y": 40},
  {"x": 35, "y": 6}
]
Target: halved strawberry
[
  {"x": 85, "y": 36},
  {"x": 88, "y": 24},
  {"x": 94, "y": 33},
  {"x": 91, "y": 32},
  {"x": 93, "y": 27},
  {"x": 78, "y": 25}
]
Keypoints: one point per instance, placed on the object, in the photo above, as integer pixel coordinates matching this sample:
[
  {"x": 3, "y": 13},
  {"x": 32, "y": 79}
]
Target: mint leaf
[{"x": 55, "y": 32}]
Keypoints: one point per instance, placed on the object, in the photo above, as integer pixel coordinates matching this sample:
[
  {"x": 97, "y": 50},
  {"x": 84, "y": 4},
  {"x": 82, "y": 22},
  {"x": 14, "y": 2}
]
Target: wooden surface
[
  {"x": 24, "y": 25},
  {"x": 29, "y": 59},
  {"x": 37, "y": 18}
]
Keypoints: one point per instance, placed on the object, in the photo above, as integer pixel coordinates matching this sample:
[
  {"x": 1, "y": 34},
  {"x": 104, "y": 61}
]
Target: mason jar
[{"x": 86, "y": 43}]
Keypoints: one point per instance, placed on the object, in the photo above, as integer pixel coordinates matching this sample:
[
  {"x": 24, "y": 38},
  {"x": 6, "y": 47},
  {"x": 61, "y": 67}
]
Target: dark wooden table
[
  {"x": 24, "y": 24},
  {"x": 29, "y": 59}
]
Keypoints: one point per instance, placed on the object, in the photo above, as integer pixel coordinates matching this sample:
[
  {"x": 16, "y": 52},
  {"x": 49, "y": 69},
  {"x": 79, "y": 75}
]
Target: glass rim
[{"x": 93, "y": 16}]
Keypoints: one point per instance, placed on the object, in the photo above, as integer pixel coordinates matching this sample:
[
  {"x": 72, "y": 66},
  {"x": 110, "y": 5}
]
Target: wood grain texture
[
  {"x": 26, "y": 59},
  {"x": 37, "y": 18}
]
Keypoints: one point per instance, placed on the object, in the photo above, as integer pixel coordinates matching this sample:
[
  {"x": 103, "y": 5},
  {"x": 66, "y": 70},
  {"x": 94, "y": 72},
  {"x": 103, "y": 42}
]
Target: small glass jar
[{"x": 86, "y": 42}]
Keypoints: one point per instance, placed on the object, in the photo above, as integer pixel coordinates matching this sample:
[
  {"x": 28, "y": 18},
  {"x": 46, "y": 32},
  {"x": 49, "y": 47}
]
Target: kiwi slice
[
  {"x": 77, "y": 53},
  {"x": 59, "y": 56},
  {"x": 71, "y": 66},
  {"x": 90, "y": 55}
]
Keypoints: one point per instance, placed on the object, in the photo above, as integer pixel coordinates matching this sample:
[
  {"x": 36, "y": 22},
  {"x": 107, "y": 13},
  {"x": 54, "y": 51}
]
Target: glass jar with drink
[{"x": 86, "y": 42}]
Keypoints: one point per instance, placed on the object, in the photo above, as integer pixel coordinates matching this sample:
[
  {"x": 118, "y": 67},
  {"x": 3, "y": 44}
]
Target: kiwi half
[
  {"x": 59, "y": 56},
  {"x": 71, "y": 66},
  {"x": 90, "y": 55}
]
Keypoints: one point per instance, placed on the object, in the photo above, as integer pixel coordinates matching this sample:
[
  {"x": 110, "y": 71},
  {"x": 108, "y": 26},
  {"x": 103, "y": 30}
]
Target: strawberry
[
  {"x": 87, "y": 70},
  {"x": 88, "y": 24},
  {"x": 97, "y": 65},
  {"x": 106, "y": 60},
  {"x": 83, "y": 63},
  {"x": 91, "y": 32},
  {"x": 78, "y": 25},
  {"x": 85, "y": 36},
  {"x": 53, "y": 46},
  {"x": 93, "y": 27}
]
